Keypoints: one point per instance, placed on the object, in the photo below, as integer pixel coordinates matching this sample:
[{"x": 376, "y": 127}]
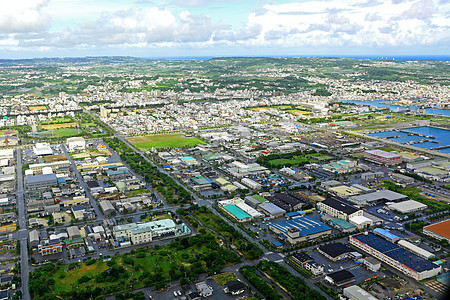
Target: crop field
[
  {"x": 164, "y": 141},
  {"x": 57, "y": 126}
]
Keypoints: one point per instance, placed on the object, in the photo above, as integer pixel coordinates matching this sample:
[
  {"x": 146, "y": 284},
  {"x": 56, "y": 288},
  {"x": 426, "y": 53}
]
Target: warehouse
[
  {"x": 300, "y": 229},
  {"x": 402, "y": 179},
  {"x": 255, "y": 200},
  {"x": 371, "y": 263},
  {"x": 385, "y": 234},
  {"x": 382, "y": 157},
  {"x": 238, "y": 210},
  {"x": 340, "y": 278},
  {"x": 415, "y": 249},
  {"x": 361, "y": 222},
  {"x": 76, "y": 143},
  {"x": 342, "y": 225},
  {"x": 251, "y": 183},
  {"x": 40, "y": 181},
  {"x": 354, "y": 292},
  {"x": 407, "y": 207},
  {"x": 339, "y": 209},
  {"x": 271, "y": 210},
  {"x": 287, "y": 201},
  {"x": 377, "y": 197},
  {"x": 106, "y": 207},
  {"x": 439, "y": 230},
  {"x": 405, "y": 261},
  {"x": 335, "y": 251}
]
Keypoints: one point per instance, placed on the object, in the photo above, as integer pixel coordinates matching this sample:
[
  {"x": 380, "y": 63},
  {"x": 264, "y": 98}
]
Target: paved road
[
  {"x": 83, "y": 185},
  {"x": 22, "y": 234}
]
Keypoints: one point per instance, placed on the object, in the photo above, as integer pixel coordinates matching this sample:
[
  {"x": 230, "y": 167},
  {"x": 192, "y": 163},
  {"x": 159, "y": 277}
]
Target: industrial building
[
  {"x": 251, "y": 183},
  {"x": 340, "y": 167},
  {"x": 361, "y": 222},
  {"x": 40, "y": 181},
  {"x": 106, "y": 207},
  {"x": 371, "y": 263},
  {"x": 288, "y": 201},
  {"x": 354, "y": 292},
  {"x": 339, "y": 209},
  {"x": 405, "y": 261},
  {"x": 371, "y": 176},
  {"x": 385, "y": 234},
  {"x": 342, "y": 225},
  {"x": 255, "y": 200},
  {"x": 377, "y": 197},
  {"x": 299, "y": 230},
  {"x": 271, "y": 210},
  {"x": 239, "y": 210},
  {"x": 439, "y": 230},
  {"x": 415, "y": 249},
  {"x": 382, "y": 157},
  {"x": 402, "y": 179},
  {"x": 407, "y": 207},
  {"x": 76, "y": 143},
  {"x": 335, "y": 251},
  {"x": 340, "y": 278},
  {"x": 147, "y": 232}
]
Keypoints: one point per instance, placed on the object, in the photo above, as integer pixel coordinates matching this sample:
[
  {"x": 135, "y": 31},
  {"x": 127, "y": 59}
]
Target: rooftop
[
  {"x": 392, "y": 250},
  {"x": 340, "y": 205},
  {"x": 335, "y": 249},
  {"x": 237, "y": 212},
  {"x": 441, "y": 228},
  {"x": 342, "y": 223},
  {"x": 305, "y": 225}
]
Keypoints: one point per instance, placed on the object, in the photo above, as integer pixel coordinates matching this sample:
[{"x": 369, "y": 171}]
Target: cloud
[
  {"x": 309, "y": 23},
  {"x": 19, "y": 16}
]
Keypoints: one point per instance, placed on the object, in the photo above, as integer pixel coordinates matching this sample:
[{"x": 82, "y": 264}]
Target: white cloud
[
  {"x": 18, "y": 16},
  {"x": 309, "y": 23}
]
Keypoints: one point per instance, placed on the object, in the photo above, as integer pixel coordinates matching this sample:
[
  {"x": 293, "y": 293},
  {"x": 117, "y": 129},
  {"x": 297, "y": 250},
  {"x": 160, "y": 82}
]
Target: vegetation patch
[
  {"x": 164, "y": 141},
  {"x": 223, "y": 278}
]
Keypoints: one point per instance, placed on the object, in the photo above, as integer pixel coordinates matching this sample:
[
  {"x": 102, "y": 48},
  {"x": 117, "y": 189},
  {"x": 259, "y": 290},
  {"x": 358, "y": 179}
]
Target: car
[
  {"x": 175, "y": 293},
  {"x": 179, "y": 293}
]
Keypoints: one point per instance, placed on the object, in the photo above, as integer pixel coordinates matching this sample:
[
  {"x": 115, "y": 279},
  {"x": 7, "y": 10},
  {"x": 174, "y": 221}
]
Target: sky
[{"x": 176, "y": 28}]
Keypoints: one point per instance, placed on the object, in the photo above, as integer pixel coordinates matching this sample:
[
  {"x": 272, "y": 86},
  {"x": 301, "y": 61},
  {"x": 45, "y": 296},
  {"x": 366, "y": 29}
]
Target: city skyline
[{"x": 70, "y": 28}]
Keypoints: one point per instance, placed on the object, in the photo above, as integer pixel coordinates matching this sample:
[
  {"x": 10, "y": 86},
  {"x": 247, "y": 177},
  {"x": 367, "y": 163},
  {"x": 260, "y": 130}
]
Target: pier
[
  {"x": 414, "y": 133},
  {"x": 440, "y": 148}
]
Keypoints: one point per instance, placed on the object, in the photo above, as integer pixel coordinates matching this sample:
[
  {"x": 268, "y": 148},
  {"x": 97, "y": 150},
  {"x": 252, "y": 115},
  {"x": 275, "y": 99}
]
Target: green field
[
  {"x": 143, "y": 267},
  {"x": 57, "y": 121},
  {"x": 164, "y": 141},
  {"x": 66, "y": 132},
  {"x": 297, "y": 160},
  {"x": 7, "y": 132}
]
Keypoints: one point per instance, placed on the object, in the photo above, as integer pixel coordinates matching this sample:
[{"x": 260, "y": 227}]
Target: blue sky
[{"x": 153, "y": 28}]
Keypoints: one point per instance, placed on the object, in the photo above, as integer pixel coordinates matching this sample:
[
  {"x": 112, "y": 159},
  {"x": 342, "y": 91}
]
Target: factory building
[
  {"x": 299, "y": 230},
  {"x": 407, "y": 207},
  {"x": 339, "y": 209},
  {"x": 439, "y": 230},
  {"x": 382, "y": 157},
  {"x": 393, "y": 255}
]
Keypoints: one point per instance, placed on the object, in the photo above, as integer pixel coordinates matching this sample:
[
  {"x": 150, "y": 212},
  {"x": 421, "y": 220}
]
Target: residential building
[
  {"x": 235, "y": 287},
  {"x": 382, "y": 157},
  {"x": 48, "y": 247},
  {"x": 204, "y": 289}
]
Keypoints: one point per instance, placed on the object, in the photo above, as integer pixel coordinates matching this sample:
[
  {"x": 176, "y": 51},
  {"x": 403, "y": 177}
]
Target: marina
[{"x": 427, "y": 137}]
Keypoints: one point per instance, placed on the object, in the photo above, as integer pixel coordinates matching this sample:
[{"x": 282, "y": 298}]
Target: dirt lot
[{"x": 57, "y": 126}]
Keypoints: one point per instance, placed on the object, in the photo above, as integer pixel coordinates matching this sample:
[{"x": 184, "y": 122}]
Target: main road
[{"x": 22, "y": 234}]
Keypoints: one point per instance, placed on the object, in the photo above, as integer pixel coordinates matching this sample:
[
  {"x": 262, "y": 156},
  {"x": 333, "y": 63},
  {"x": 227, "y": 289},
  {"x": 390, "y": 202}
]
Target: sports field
[
  {"x": 163, "y": 141},
  {"x": 7, "y": 132},
  {"x": 60, "y": 125},
  {"x": 39, "y": 107}
]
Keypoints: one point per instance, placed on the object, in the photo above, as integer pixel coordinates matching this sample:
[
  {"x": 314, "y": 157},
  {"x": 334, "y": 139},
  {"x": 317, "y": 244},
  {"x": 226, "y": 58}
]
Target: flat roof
[
  {"x": 259, "y": 198},
  {"x": 342, "y": 223},
  {"x": 441, "y": 228},
  {"x": 385, "y": 195},
  {"x": 305, "y": 225},
  {"x": 40, "y": 178},
  {"x": 385, "y": 233},
  {"x": 236, "y": 211},
  {"x": 382, "y": 153},
  {"x": 335, "y": 249},
  {"x": 407, "y": 258},
  {"x": 406, "y": 206},
  {"x": 340, "y": 205}
]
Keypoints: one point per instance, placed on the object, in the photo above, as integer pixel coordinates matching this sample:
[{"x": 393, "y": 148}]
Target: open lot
[
  {"x": 164, "y": 141},
  {"x": 38, "y": 107},
  {"x": 58, "y": 126}
]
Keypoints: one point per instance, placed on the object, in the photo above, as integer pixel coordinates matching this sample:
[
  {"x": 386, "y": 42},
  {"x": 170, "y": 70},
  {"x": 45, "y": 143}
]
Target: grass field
[
  {"x": 299, "y": 159},
  {"x": 66, "y": 132},
  {"x": 259, "y": 108},
  {"x": 57, "y": 121},
  {"x": 223, "y": 278},
  {"x": 299, "y": 112},
  {"x": 163, "y": 141}
]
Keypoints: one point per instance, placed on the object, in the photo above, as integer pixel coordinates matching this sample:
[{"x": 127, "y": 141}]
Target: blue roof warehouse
[{"x": 300, "y": 229}]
